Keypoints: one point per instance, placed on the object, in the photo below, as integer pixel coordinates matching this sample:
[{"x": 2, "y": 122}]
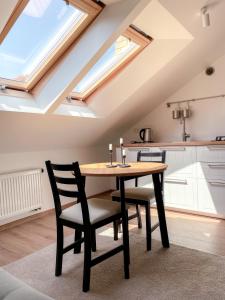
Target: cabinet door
[
  {"x": 180, "y": 192},
  {"x": 211, "y": 170},
  {"x": 180, "y": 160},
  {"x": 215, "y": 153},
  {"x": 211, "y": 196},
  {"x": 145, "y": 181},
  {"x": 132, "y": 153}
]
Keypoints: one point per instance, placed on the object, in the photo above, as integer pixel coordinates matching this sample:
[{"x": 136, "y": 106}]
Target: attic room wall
[
  {"x": 208, "y": 117},
  {"x": 27, "y": 145},
  {"x": 29, "y": 160}
]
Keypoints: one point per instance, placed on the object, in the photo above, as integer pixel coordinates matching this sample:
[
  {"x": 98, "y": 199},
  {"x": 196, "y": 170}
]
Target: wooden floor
[{"x": 202, "y": 233}]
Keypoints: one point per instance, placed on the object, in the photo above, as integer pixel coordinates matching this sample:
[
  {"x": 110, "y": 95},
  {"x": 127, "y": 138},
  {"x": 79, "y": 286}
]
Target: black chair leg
[
  {"x": 126, "y": 250},
  {"x": 138, "y": 216},
  {"x": 148, "y": 227},
  {"x": 59, "y": 250},
  {"x": 78, "y": 235},
  {"x": 87, "y": 261},
  {"x": 93, "y": 240},
  {"x": 115, "y": 230}
]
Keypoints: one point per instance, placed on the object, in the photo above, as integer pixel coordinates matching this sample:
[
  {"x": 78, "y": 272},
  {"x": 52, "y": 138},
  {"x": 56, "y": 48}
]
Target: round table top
[{"x": 135, "y": 169}]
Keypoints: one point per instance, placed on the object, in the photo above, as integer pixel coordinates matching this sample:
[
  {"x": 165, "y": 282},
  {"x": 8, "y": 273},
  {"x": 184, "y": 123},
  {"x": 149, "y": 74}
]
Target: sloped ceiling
[
  {"x": 181, "y": 49},
  {"x": 207, "y": 45}
]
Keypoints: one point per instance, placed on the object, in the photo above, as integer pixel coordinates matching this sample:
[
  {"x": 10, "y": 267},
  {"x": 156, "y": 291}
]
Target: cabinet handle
[
  {"x": 217, "y": 183},
  {"x": 174, "y": 180},
  {"x": 216, "y": 147},
  {"x": 138, "y": 149},
  {"x": 216, "y": 165},
  {"x": 172, "y": 149}
]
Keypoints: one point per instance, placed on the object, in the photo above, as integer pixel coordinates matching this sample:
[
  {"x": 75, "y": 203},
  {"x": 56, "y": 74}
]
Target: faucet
[{"x": 185, "y": 135}]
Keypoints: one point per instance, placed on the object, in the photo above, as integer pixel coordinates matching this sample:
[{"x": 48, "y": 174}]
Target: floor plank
[{"x": 197, "y": 232}]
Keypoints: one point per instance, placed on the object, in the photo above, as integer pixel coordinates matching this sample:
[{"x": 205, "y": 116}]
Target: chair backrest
[
  {"x": 144, "y": 157},
  {"x": 71, "y": 177},
  {"x": 141, "y": 156}
]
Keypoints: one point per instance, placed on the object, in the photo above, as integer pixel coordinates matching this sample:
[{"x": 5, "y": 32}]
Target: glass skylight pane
[
  {"x": 38, "y": 31},
  {"x": 112, "y": 58}
]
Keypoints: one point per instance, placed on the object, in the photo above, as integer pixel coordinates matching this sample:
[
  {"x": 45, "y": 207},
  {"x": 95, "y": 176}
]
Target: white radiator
[{"x": 20, "y": 192}]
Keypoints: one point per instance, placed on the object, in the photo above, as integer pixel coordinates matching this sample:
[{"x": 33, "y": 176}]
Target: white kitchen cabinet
[
  {"x": 145, "y": 181},
  {"x": 210, "y": 170},
  {"x": 214, "y": 153},
  {"x": 180, "y": 160},
  {"x": 211, "y": 196},
  {"x": 132, "y": 153},
  {"x": 180, "y": 192},
  {"x": 194, "y": 180}
]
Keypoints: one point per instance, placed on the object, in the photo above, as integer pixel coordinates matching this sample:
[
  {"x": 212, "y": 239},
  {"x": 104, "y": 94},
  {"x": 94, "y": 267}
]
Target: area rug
[{"x": 175, "y": 273}]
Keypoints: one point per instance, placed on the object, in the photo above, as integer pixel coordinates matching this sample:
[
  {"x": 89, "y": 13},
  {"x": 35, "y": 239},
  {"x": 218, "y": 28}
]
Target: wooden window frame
[
  {"x": 12, "y": 18},
  {"x": 88, "y": 6},
  {"x": 136, "y": 36}
]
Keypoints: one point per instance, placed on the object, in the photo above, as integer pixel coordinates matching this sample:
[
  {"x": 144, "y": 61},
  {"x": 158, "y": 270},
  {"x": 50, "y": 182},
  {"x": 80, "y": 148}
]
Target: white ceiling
[{"x": 181, "y": 49}]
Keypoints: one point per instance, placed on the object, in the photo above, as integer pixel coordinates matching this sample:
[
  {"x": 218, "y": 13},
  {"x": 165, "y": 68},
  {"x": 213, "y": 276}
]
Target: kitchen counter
[{"x": 183, "y": 144}]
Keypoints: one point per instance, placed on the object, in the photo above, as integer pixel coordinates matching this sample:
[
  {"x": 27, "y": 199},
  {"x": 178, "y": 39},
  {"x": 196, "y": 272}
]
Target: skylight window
[
  {"x": 38, "y": 37},
  {"x": 126, "y": 47}
]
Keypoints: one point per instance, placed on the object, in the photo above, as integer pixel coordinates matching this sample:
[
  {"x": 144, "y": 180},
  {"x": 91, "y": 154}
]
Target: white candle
[
  {"x": 110, "y": 147},
  {"x": 121, "y": 141},
  {"x": 124, "y": 152}
]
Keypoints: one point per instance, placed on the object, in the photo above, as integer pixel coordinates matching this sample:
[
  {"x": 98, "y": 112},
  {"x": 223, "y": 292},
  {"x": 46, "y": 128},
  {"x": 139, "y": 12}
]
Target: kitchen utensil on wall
[
  {"x": 176, "y": 114},
  {"x": 186, "y": 113}
]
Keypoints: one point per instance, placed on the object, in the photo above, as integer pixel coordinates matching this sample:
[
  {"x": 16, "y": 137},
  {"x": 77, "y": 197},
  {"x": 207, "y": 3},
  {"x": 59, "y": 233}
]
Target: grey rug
[{"x": 175, "y": 273}]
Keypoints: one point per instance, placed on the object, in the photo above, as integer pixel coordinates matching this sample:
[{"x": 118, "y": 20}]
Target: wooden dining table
[{"x": 134, "y": 169}]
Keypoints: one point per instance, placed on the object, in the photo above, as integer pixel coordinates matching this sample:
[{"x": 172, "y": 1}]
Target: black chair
[
  {"x": 85, "y": 217},
  {"x": 141, "y": 196}
]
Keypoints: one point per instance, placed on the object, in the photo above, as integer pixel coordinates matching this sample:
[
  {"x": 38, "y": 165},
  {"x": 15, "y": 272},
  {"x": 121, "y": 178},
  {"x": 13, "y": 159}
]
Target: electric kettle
[{"x": 145, "y": 135}]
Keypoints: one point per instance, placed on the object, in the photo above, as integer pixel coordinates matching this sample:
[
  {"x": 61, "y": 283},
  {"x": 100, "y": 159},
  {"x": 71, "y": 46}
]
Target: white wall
[
  {"x": 28, "y": 140},
  {"x": 28, "y": 160},
  {"x": 208, "y": 119}
]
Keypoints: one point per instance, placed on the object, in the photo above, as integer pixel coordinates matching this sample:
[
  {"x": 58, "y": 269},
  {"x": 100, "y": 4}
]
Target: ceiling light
[{"x": 205, "y": 17}]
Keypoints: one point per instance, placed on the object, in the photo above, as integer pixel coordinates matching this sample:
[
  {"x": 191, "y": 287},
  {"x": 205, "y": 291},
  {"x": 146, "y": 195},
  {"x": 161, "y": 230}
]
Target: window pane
[
  {"x": 38, "y": 31},
  {"x": 112, "y": 58}
]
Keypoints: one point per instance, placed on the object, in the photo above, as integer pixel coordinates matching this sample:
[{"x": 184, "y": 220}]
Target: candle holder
[
  {"x": 111, "y": 165},
  {"x": 124, "y": 165},
  {"x": 121, "y": 153}
]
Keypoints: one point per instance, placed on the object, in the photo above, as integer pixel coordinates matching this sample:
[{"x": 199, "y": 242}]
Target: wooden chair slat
[
  {"x": 64, "y": 180},
  {"x": 57, "y": 167},
  {"x": 71, "y": 194}
]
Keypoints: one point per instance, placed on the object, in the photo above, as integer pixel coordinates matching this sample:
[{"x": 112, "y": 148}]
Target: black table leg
[
  {"x": 161, "y": 210},
  {"x": 125, "y": 229}
]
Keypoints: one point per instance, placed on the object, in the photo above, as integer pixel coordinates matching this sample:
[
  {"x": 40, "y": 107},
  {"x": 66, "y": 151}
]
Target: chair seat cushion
[
  {"x": 12, "y": 288},
  {"x": 99, "y": 209},
  {"x": 138, "y": 193}
]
